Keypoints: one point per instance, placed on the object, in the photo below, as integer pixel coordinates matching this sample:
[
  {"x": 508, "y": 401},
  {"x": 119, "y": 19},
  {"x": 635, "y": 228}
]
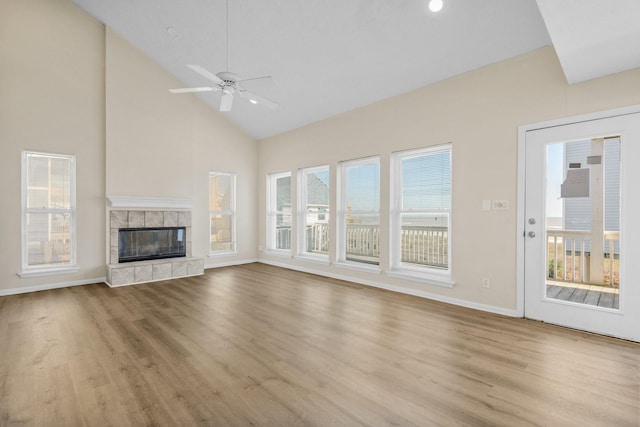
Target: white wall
[
  {"x": 160, "y": 144},
  {"x": 51, "y": 100},
  {"x": 479, "y": 113}
]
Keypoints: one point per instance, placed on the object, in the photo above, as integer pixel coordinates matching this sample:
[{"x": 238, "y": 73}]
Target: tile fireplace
[{"x": 150, "y": 245}]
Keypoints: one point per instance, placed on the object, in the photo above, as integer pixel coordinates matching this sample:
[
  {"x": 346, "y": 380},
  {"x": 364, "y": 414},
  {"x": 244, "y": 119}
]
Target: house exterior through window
[
  {"x": 48, "y": 213},
  {"x": 313, "y": 219},
  {"x": 222, "y": 213},
  {"x": 421, "y": 213},
  {"x": 359, "y": 212},
  {"x": 279, "y": 212}
]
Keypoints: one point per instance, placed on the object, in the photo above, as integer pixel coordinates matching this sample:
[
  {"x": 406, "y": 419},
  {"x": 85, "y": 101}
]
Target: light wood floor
[{"x": 259, "y": 345}]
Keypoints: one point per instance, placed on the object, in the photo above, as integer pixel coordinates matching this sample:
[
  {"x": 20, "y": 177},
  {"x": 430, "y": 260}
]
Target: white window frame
[
  {"x": 342, "y": 213},
  {"x": 434, "y": 276},
  {"x": 228, "y": 212},
  {"x": 57, "y": 268},
  {"x": 272, "y": 213},
  {"x": 302, "y": 212}
]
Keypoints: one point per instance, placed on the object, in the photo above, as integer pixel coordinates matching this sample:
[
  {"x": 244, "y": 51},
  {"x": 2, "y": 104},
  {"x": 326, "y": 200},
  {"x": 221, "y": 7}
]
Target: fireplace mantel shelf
[{"x": 133, "y": 202}]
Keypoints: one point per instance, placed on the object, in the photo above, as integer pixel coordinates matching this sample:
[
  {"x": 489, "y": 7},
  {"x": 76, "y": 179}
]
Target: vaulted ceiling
[{"x": 331, "y": 56}]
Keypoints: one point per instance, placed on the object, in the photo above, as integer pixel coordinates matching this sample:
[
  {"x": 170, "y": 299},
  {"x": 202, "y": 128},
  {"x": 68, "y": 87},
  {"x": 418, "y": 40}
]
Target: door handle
[{"x": 532, "y": 234}]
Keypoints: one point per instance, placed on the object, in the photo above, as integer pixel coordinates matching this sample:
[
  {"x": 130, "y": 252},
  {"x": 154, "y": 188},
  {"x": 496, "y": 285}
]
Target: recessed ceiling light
[
  {"x": 435, "y": 5},
  {"x": 253, "y": 101}
]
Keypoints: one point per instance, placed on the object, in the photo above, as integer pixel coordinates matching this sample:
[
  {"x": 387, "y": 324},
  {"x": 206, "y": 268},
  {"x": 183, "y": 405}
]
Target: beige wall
[
  {"x": 479, "y": 113},
  {"x": 51, "y": 100},
  {"x": 160, "y": 144},
  {"x": 55, "y": 97},
  {"x": 69, "y": 86}
]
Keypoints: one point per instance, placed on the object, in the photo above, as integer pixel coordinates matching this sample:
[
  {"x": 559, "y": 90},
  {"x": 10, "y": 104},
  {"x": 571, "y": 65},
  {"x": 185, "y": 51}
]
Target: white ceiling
[
  {"x": 593, "y": 38},
  {"x": 331, "y": 56}
]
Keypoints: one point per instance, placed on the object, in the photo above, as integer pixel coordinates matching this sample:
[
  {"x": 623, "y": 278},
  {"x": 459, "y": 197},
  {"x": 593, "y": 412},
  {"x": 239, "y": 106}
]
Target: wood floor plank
[{"x": 260, "y": 345}]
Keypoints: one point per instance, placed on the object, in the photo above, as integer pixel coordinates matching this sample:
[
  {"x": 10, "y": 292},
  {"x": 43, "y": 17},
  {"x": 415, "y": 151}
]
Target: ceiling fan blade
[
  {"x": 256, "y": 99},
  {"x": 192, "y": 89},
  {"x": 204, "y": 73},
  {"x": 254, "y": 78},
  {"x": 226, "y": 102}
]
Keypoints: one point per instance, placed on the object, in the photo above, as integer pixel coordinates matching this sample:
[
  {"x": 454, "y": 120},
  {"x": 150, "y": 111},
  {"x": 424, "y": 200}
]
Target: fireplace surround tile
[
  {"x": 171, "y": 219},
  {"x": 143, "y": 273},
  {"x": 195, "y": 266},
  {"x": 113, "y": 238},
  {"x": 114, "y": 255},
  {"x": 122, "y": 274},
  {"x": 136, "y": 219},
  {"x": 184, "y": 219},
  {"x": 132, "y": 273},
  {"x": 119, "y": 219},
  {"x": 180, "y": 269},
  {"x": 153, "y": 218},
  {"x": 162, "y": 271}
]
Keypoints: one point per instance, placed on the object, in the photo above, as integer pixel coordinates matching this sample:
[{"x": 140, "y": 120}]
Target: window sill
[
  {"x": 285, "y": 253},
  {"x": 318, "y": 259},
  {"x": 47, "y": 271},
  {"x": 222, "y": 254},
  {"x": 367, "y": 268},
  {"x": 426, "y": 278}
]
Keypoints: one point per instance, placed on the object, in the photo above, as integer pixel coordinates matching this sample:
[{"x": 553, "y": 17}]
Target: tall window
[
  {"x": 420, "y": 213},
  {"x": 359, "y": 211},
  {"x": 222, "y": 212},
  {"x": 48, "y": 212},
  {"x": 279, "y": 212},
  {"x": 313, "y": 221}
]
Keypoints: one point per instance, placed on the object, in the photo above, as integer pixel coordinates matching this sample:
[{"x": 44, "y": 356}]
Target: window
[
  {"x": 420, "y": 212},
  {"x": 279, "y": 212},
  {"x": 313, "y": 221},
  {"x": 48, "y": 213},
  {"x": 359, "y": 211},
  {"x": 222, "y": 212}
]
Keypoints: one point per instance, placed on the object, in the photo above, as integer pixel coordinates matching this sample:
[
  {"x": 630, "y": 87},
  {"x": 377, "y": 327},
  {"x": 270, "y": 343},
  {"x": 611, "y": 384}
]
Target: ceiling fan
[{"x": 227, "y": 83}]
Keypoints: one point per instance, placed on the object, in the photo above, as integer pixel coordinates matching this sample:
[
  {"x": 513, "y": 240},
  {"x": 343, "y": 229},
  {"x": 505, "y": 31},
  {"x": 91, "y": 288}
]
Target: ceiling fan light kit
[{"x": 227, "y": 83}]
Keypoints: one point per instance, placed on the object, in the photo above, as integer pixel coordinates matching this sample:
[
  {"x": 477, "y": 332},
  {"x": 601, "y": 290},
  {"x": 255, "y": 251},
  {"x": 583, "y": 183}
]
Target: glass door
[
  {"x": 582, "y": 221},
  {"x": 580, "y": 227}
]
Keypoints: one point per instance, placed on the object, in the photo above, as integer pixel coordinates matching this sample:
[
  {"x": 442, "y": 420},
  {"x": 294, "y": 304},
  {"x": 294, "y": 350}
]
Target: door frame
[{"x": 520, "y": 210}]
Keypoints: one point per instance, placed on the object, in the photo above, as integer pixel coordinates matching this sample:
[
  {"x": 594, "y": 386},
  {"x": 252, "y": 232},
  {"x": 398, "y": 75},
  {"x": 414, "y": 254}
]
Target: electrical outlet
[
  {"x": 500, "y": 205},
  {"x": 486, "y": 283}
]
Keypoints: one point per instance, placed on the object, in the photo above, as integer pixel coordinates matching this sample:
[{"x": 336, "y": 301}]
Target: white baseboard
[
  {"x": 229, "y": 263},
  {"x": 402, "y": 290},
  {"x": 375, "y": 284},
  {"x": 48, "y": 286}
]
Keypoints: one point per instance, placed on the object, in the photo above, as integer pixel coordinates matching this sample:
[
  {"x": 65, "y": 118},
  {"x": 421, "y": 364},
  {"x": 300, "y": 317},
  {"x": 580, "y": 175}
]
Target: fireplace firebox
[{"x": 140, "y": 244}]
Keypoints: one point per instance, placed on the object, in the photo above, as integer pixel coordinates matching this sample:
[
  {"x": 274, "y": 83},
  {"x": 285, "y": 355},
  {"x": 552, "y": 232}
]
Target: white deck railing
[
  {"x": 423, "y": 245},
  {"x": 569, "y": 257},
  {"x": 363, "y": 242}
]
